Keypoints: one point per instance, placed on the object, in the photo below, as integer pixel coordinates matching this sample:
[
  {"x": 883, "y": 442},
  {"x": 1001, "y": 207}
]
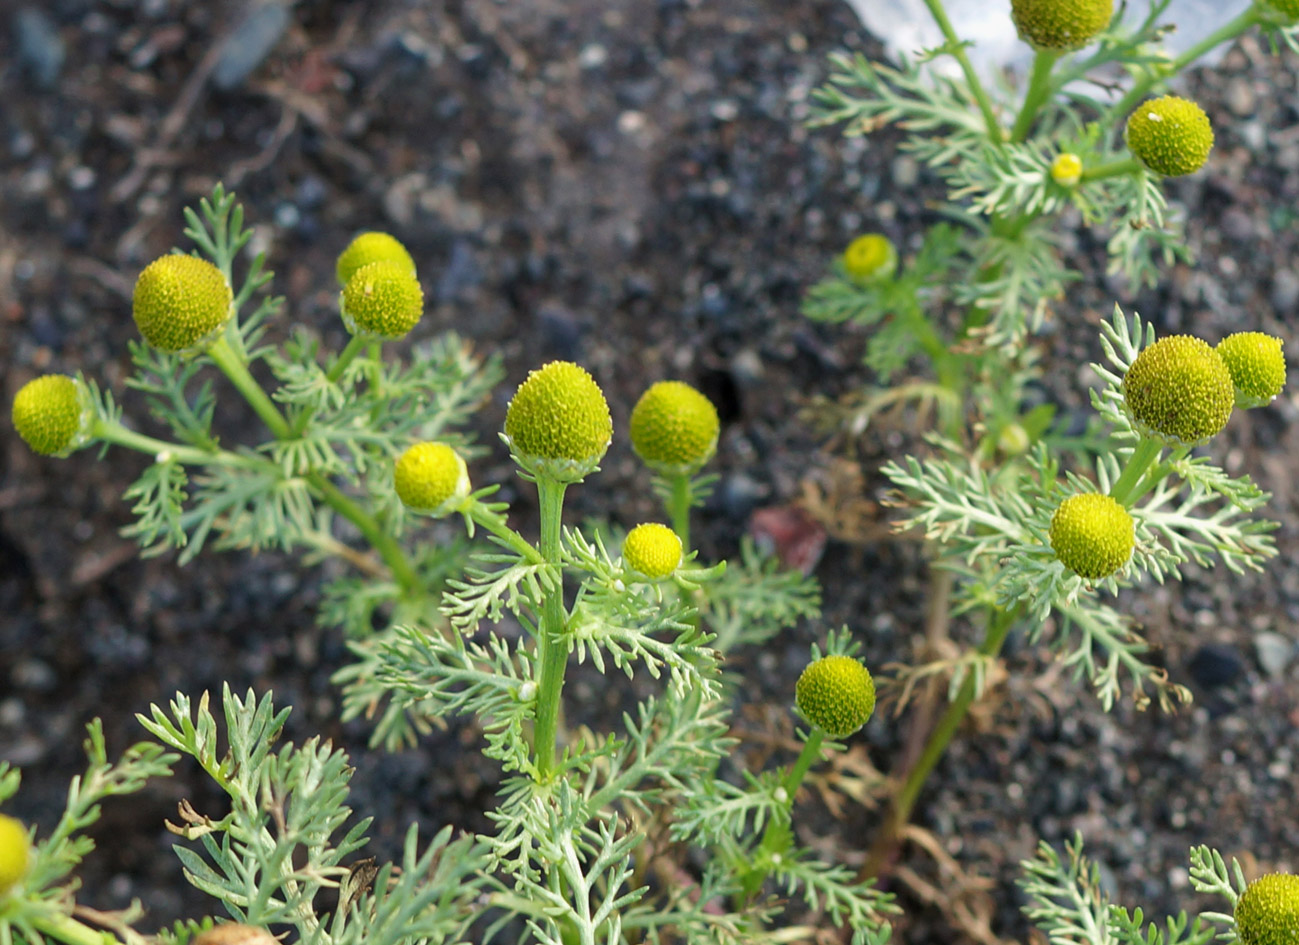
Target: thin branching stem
[
  {"x": 679, "y": 503},
  {"x": 1039, "y": 88},
  {"x": 1146, "y": 452},
  {"x": 233, "y": 367},
  {"x": 552, "y": 649},
  {"x": 69, "y": 930},
  {"x": 382, "y": 542},
  {"x": 957, "y": 49}
]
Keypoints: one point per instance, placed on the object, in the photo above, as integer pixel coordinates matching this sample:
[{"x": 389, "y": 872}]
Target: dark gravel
[{"x": 627, "y": 184}]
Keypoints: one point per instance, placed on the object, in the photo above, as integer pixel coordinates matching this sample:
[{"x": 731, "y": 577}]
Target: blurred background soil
[{"x": 629, "y": 184}]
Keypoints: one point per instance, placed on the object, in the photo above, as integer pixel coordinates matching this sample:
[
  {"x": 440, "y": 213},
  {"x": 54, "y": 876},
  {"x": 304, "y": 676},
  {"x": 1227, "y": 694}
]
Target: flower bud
[
  {"x": 382, "y": 300},
  {"x": 836, "y": 694},
  {"x": 652, "y": 549},
  {"x": 181, "y": 303},
  {"x": 1267, "y": 912},
  {"x": 1170, "y": 135},
  {"x": 1066, "y": 169},
  {"x": 1092, "y": 535},
  {"x": 1287, "y": 8},
  {"x": 558, "y": 423},
  {"x": 431, "y": 478},
  {"x": 371, "y": 248},
  {"x": 15, "y": 852},
  {"x": 870, "y": 258},
  {"x": 1060, "y": 25},
  {"x": 674, "y": 428},
  {"x": 1178, "y": 390},
  {"x": 1256, "y": 365},
  {"x": 52, "y": 414}
]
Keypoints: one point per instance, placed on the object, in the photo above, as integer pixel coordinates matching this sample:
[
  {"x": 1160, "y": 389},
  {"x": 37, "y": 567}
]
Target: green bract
[
  {"x": 181, "y": 303},
  {"x": 674, "y": 428},
  {"x": 870, "y": 258},
  {"x": 1060, "y": 24},
  {"x": 14, "y": 852},
  {"x": 1179, "y": 390},
  {"x": 558, "y": 422},
  {"x": 431, "y": 478},
  {"x": 49, "y": 414},
  {"x": 1256, "y": 364},
  {"x": 1267, "y": 912},
  {"x": 1171, "y": 136},
  {"x": 383, "y": 299},
  {"x": 371, "y": 248},
  {"x": 836, "y": 694},
  {"x": 1092, "y": 535},
  {"x": 652, "y": 549}
]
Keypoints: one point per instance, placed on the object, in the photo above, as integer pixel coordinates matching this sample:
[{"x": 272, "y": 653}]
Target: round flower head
[
  {"x": 431, "y": 478},
  {"x": 1066, "y": 169},
  {"x": 1092, "y": 535},
  {"x": 674, "y": 428},
  {"x": 181, "y": 303},
  {"x": 837, "y": 694},
  {"x": 1171, "y": 136},
  {"x": 1256, "y": 364},
  {"x": 383, "y": 300},
  {"x": 652, "y": 549},
  {"x": 15, "y": 852},
  {"x": 371, "y": 248},
  {"x": 1178, "y": 390},
  {"x": 1061, "y": 25},
  {"x": 1267, "y": 912},
  {"x": 558, "y": 423},
  {"x": 870, "y": 258},
  {"x": 1287, "y": 8},
  {"x": 52, "y": 414}
]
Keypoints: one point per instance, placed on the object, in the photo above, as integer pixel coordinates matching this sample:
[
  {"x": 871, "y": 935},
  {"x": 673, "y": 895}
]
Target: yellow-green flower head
[
  {"x": 652, "y": 549},
  {"x": 674, "y": 428},
  {"x": 382, "y": 300},
  {"x": 1066, "y": 169},
  {"x": 837, "y": 694},
  {"x": 1061, "y": 25},
  {"x": 1256, "y": 364},
  {"x": 15, "y": 852},
  {"x": 558, "y": 423},
  {"x": 1179, "y": 390},
  {"x": 371, "y": 248},
  {"x": 52, "y": 413},
  {"x": 431, "y": 478},
  {"x": 870, "y": 258},
  {"x": 1170, "y": 135},
  {"x": 1092, "y": 535},
  {"x": 181, "y": 303},
  {"x": 1288, "y": 8},
  {"x": 1267, "y": 912}
]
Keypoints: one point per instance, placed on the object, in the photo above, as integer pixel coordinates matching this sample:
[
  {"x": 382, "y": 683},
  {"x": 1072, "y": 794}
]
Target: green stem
[
  {"x": 1224, "y": 34},
  {"x": 806, "y": 758},
  {"x": 1117, "y": 168},
  {"x": 67, "y": 929},
  {"x": 957, "y": 49},
  {"x": 753, "y": 877},
  {"x": 495, "y": 523},
  {"x": 1144, "y": 453},
  {"x": 348, "y": 355},
  {"x": 382, "y": 542},
  {"x": 112, "y": 432},
  {"x": 1039, "y": 87},
  {"x": 552, "y": 648},
  {"x": 224, "y": 357},
  {"x": 679, "y": 502}
]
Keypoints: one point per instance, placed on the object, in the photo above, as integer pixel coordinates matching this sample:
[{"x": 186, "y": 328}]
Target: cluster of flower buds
[{"x": 381, "y": 296}]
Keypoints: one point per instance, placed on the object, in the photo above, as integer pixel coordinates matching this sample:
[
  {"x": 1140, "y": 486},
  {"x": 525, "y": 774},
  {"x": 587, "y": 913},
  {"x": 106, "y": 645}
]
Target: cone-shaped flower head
[
  {"x": 371, "y": 248},
  {"x": 837, "y": 694},
  {"x": 1171, "y": 136},
  {"x": 181, "y": 303},
  {"x": 1066, "y": 169},
  {"x": 1256, "y": 364},
  {"x": 431, "y": 478},
  {"x": 558, "y": 423},
  {"x": 15, "y": 852},
  {"x": 382, "y": 300},
  {"x": 652, "y": 549},
  {"x": 1179, "y": 390},
  {"x": 1267, "y": 912},
  {"x": 1092, "y": 535},
  {"x": 1060, "y": 24},
  {"x": 870, "y": 258},
  {"x": 674, "y": 428},
  {"x": 52, "y": 413},
  {"x": 1288, "y": 8}
]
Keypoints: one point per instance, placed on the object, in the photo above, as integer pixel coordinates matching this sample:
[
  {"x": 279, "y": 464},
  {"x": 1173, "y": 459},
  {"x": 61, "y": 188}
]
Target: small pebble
[
  {"x": 1274, "y": 653},
  {"x": 40, "y": 48},
  {"x": 249, "y": 45},
  {"x": 1214, "y": 665}
]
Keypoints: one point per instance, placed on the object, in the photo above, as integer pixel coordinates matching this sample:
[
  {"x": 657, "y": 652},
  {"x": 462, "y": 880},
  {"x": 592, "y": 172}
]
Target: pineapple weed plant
[{"x": 640, "y": 835}]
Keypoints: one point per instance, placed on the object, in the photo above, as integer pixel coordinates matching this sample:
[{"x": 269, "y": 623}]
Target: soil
[{"x": 630, "y": 185}]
